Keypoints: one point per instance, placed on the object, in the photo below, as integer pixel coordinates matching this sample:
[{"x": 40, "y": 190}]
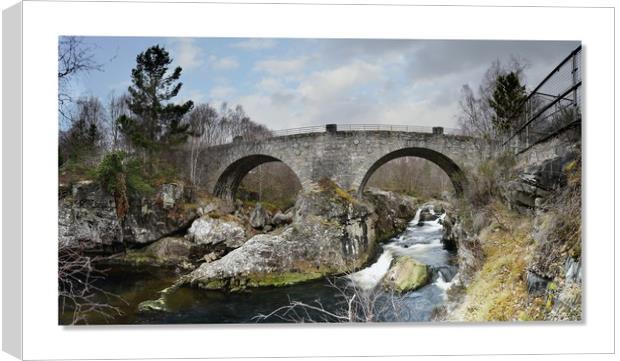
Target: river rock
[
  {"x": 212, "y": 231},
  {"x": 394, "y": 211},
  {"x": 406, "y": 274},
  {"x": 282, "y": 218},
  {"x": 427, "y": 214},
  {"x": 168, "y": 251},
  {"x": 259, "y": 217},
  {"x": 169, "y": 248}
]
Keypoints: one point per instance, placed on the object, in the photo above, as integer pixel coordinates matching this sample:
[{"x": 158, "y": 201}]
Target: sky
[{"x": 288, "y": 83}]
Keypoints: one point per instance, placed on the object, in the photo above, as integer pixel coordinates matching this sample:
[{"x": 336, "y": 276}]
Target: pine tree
[
  {"x": 155, "y": 123},
  {"x": 507, "y": 101}
]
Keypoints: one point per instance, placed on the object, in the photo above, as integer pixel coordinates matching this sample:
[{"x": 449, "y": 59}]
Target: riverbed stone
[
  {"x": 166, "y": 252},
  {"x": 207, "y": 230},
  {"x": 406, "y": 274}
]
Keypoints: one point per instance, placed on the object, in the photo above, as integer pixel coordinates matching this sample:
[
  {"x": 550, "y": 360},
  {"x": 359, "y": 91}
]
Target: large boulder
[
  {"x": 314, "y": 245},
  {"x": 87, "y": 217},
  {"x": 207, "y": 230},
  {"x": 406, "y": 274},
  {"x": 168, "y": 251},
  {"x": 524, "y": 191},
  {"x": 394, "y": 211},
  {"x": 259, "y": 217},
  {"x": 151, "y": 218},
  {"x": 427, "y": 214}
]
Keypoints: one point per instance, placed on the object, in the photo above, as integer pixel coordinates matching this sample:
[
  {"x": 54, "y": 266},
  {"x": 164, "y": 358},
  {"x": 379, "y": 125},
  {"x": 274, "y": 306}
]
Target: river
[{"x": 420, "y": 241}]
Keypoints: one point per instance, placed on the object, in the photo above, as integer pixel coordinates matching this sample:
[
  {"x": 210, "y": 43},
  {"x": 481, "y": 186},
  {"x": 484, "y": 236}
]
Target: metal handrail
[
  {"x": 300, "y": 130},
  {"x": 557, "y": 99},
  {"x": 363, "y": 127}
]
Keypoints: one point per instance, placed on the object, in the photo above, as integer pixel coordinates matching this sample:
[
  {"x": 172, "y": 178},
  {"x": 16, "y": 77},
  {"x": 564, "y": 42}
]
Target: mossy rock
[
  {"x": 158, "y": 305},
  {"x": 406, "y": 274}
]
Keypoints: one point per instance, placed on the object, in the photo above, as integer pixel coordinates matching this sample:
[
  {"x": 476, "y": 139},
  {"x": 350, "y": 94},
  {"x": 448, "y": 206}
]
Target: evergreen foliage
[
  {"x": 155, "y": 123},
  {"x": 507, "y": 101},
  {"x": 119, "y": 163}
]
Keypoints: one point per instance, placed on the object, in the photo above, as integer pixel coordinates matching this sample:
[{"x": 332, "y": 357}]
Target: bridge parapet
[{"x": 333, "y": 128}]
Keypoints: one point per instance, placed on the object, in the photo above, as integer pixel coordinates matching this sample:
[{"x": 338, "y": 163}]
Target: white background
[{"x": 44, "y": 21}]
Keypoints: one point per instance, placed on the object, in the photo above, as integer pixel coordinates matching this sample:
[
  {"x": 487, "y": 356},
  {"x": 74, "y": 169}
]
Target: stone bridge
[{"x": 348, "y": 157}]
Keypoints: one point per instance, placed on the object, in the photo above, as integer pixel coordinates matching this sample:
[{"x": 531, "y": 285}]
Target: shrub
[{"x": 118, "y": 170}]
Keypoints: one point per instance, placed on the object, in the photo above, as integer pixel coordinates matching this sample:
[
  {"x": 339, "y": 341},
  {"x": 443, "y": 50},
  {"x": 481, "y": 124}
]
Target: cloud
[
  {"x": 280, "y": 66},
  {"x": 436, "y": 59},
  {"x": 224, "y": 63},
  {"x": 335, "y": 83},
  {"x": 271, "y": 84},
  {"x": 195, "y": 95},
  {"x": 186, "y": 53},
  {"x": 312, "y": 82},
  {"x": 220, "y": 92},
  {"x": 254, "y": 44}
]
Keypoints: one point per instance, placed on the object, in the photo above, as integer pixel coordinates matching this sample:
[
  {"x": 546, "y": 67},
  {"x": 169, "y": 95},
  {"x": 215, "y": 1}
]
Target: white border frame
[{"x": 43, "y": 22}]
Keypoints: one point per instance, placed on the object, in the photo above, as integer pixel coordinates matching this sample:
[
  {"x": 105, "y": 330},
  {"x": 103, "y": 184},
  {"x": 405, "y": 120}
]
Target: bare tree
[
  {"x": 411, "y": 175},
  {"x": 77, "y": 289},
  {"x": 205, "y": 130},
  {"x": 86, "y": 133},
  {"x": 476, "y": 116},
  {"x": 238, "y": 123},
  {"x": 356, "y": 305},
  {"x": 117, "y": 107},
  {"x": 75, "y": 56}
]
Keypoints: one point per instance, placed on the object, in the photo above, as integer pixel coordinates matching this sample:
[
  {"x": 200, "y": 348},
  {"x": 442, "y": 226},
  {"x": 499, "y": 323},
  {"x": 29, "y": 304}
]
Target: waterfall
[{"x": 368, "y": 278}]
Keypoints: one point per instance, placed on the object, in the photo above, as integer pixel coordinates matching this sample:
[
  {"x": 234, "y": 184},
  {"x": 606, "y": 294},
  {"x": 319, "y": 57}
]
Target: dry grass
[
  {"x": 499, "y": 290},
  {"x": 327, "y": 185}
]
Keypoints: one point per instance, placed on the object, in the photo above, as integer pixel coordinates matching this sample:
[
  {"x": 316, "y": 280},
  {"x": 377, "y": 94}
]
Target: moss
[
  {"x": 213, "y": 284},
  {"x": 157, "y": 305},
  {"x": 280, "y": 279},
  {"x": 406, "y": 275},
  {"x": 275, "y": 279},
  {"x": 339, "y": 194},
  {"x": 138, "y": 258}
]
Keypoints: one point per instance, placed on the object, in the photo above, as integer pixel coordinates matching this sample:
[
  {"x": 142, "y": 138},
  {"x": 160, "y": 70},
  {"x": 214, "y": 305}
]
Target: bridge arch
[
  {"x": 454, "y": 172},
  {"x": 229, "y": 180}
]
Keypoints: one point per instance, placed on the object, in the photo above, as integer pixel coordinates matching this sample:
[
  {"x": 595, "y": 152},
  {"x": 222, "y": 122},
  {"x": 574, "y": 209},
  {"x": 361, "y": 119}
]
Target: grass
[
  {"x": 499, "y": 290},
  {"x": 327, "y": 185},
  {"x": 271, "y": 206}
]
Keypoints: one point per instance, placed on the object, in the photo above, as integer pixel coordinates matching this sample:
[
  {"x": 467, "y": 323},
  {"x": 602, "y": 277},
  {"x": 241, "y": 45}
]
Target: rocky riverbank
[
  {"x": 217, "y": 246},
  {"x": 520, "y": 255}
]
